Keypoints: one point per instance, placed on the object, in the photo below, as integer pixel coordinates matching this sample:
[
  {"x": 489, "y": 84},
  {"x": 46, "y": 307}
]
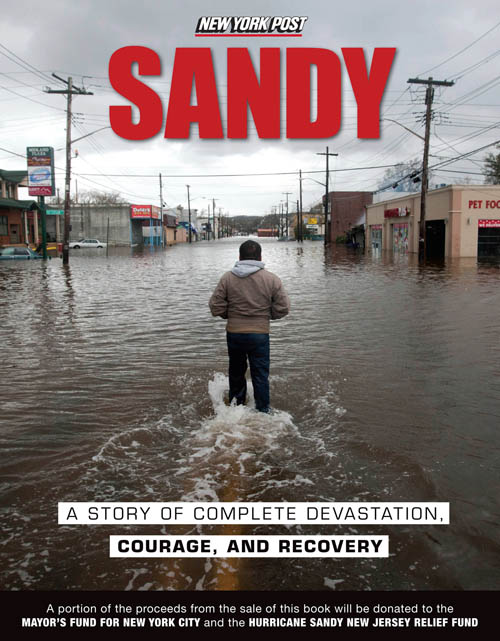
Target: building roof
[
  {"x": 14, "y": 176},
  {"x": 10, "y": 203}
]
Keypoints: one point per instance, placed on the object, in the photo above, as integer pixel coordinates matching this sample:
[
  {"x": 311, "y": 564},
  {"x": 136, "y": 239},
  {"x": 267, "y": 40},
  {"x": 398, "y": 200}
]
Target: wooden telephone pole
[
  {"x": 286, "y": 193},
  {"x": 161, "y": 212},
  {"x": 69, "y": 92},
  {"x": 300, "y": 221},
  {"x": 327, "y": 154},
  {"x": 213, "y": 217},
  {"x": 189, "y": 213},
  {"x": 429, "y": 96}
]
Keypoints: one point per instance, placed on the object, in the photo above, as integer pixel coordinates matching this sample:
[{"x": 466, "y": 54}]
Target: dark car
[{"x": 18, "y": 253}]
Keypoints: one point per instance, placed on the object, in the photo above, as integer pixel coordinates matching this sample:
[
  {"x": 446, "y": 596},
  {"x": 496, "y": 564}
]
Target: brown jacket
[{"x": 250, "y": 301}]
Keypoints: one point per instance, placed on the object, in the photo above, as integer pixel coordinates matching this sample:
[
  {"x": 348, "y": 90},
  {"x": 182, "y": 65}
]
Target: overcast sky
[{"x": 446, "y": 40}]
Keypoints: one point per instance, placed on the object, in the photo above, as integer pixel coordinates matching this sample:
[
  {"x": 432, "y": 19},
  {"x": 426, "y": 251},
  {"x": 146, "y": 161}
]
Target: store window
[
  {"x": 4, "y": 226},
  {"x": 400, "y": 238},
  {"x": 488, "y": 239},
  {"x": 376, "y": 237}
]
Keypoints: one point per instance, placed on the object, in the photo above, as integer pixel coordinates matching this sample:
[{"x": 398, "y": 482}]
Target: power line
[
  {"x": 24, "y": 64},
  {"x": 462, "y": 50},
  {"x": 31, "y": 99},
  {"x": 270, "y": 173}
]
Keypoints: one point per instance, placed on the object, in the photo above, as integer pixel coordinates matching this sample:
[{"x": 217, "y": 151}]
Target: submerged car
[
  {"x": 18, "y": 253},
  {"x": 85, "y": 243}
]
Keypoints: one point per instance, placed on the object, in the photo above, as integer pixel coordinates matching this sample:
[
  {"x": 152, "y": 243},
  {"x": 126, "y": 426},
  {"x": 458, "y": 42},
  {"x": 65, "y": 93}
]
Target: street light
[
  {"x": 86, "y": 136},
  {"x": 407, "y": 129}
]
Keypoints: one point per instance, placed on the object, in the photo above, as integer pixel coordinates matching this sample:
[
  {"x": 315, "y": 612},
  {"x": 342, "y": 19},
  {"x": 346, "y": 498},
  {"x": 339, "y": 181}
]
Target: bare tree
[
  {"x": 492, "y": 169},
  {"x": 404, "y": 176},
  {"x": 96, "y": 197}
]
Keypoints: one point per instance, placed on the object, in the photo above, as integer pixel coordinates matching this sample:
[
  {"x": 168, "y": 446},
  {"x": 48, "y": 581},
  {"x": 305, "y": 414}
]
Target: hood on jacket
[{"x": 244, "y": 268}]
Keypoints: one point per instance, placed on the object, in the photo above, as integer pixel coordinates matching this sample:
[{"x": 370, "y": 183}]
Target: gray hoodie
[{"x": 244, "y": 268}]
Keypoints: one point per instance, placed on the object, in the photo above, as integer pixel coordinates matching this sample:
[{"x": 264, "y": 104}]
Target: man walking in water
[{"x": 249, "y": 297}]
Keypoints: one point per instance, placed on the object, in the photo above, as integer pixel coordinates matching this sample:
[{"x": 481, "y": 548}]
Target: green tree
[{"x": 492, "y": 168}]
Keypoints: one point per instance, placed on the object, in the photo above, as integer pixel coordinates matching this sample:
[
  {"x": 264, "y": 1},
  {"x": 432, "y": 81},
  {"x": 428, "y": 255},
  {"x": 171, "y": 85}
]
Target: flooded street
[{"x": 384, "y": 380}]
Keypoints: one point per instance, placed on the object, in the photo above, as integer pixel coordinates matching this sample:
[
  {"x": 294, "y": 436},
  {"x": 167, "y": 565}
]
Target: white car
[{"x": 85, "y": 243}]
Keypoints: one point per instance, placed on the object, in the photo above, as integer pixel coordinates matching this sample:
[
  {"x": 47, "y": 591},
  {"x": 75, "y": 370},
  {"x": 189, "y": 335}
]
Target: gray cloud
[{"x": 78, "y": 39}]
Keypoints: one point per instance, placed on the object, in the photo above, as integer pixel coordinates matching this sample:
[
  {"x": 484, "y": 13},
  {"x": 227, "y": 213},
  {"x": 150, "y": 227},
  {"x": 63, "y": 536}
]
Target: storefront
[
  {"x": 19, "y": 222},
  {"x": 145, "y": 225},
  {"x": 376, "y": 238},
  {"x": 460, "y": 221},
  {"x": 170, "y": 229},
  {"x": 488, "y": 238}
]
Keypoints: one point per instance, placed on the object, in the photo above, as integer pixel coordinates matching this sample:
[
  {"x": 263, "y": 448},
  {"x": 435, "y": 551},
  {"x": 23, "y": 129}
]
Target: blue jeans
[{"x": 255, "y": 347}]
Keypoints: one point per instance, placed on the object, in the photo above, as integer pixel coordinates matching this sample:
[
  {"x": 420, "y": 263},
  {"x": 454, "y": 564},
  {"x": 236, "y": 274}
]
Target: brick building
[
  {"x": 346, "y": 210},
  {"x": 19, "y": 219}
]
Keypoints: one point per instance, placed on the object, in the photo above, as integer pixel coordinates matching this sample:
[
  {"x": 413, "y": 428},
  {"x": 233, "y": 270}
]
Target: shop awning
[
  {"x": 10, "y": 203},
  {"x": 13, "y": 176}
]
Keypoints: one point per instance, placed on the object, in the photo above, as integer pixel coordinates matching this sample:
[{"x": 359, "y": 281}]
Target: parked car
[
  {"x": 85, "y": 243},
  {"x": 18, "y": 253}
]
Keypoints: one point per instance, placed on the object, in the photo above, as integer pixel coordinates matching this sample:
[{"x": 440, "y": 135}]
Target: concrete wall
[{"x": 90, "y": 221}]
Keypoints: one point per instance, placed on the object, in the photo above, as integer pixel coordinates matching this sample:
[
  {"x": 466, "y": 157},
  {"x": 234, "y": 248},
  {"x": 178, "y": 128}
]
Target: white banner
[
  {"x": 248, "y": 546},
  {"x": 353, "y": 513}
]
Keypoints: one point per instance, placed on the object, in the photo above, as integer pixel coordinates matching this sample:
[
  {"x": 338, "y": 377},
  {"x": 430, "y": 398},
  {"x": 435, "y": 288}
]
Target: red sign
[
  {"x": 140, "y": 212},
  {"x": 488, "y": 223},
  {"x": 396, "y": 212},
  {"x": 40, "y": 191}
]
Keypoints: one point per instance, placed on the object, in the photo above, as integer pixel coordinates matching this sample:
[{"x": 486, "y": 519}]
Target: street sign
[
  {"x": 41, "y": 180},
  {"x": 54, "y": 212}
]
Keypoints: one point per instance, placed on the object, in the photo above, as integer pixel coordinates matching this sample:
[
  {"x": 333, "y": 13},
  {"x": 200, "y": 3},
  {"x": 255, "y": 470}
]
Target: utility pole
[
  {"x": 327, "y": 154},
  {"x": 287, "y": 193},
  {"x": 298, "y": 222},
  {"x": 300, "y": 230},
  {"x": 69, "y": 92},
  {"x": 189, "y": 211},
  {"x": 220, "y": 213},
  {"x": 161, "y": 212},
  {"x": 429, "y": 96},
  {"x": 213, "y": 215},
  {"x": 43, "y": 211}
]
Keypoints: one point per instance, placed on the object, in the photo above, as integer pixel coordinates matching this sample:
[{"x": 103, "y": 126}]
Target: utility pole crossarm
[
  {"x": 431, "y": 81},
  {"x": 74, "y": 89}
]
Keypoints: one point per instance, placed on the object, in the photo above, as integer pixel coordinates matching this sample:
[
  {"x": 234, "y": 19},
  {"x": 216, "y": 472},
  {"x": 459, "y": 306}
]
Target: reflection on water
[{"x": 385, "y": 384}]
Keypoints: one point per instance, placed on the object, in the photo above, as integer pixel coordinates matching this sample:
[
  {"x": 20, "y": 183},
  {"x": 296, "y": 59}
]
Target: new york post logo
[{"x": 250, "y": 25}]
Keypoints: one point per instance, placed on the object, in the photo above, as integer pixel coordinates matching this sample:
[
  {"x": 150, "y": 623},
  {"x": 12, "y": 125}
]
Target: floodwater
[{"x": 384, "y": 379}]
